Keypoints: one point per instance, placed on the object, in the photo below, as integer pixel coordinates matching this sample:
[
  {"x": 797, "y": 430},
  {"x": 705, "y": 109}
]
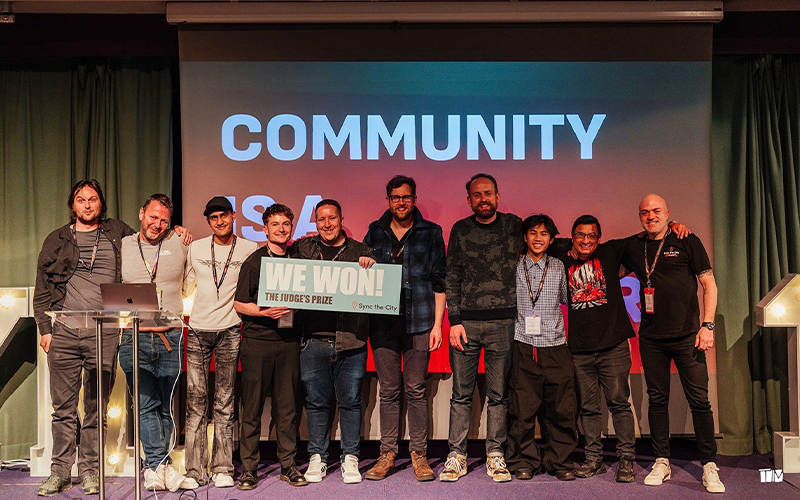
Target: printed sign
[{"x": 329, "y": 286}]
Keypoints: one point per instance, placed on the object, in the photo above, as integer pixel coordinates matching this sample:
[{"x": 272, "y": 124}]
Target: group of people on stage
[{"x": 502, "y": 279}]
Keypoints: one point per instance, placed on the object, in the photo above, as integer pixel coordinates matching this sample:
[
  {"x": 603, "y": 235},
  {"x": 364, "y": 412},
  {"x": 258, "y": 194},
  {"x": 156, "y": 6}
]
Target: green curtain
[
  {"x": 62, "y": 121},
  {"x": 756, "y": 187},
  {"x": 66, "y": 120}
]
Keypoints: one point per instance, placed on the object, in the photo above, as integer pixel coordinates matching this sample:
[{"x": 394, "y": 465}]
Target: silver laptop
[{"x": 129, "y": 296}]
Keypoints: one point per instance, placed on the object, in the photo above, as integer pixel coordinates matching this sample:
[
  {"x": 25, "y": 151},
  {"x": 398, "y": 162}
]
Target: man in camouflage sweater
[{"x": 482, "y": 255}]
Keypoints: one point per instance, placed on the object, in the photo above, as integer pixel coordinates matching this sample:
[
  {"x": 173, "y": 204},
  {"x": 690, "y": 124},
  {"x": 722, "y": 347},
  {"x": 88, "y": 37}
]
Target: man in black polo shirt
[
  {"x": 668, "y": 270},
  {"x": 270, "y": 356}
]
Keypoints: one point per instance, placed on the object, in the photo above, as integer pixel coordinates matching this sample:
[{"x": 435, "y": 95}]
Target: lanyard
[
  {"x": 227, "y": 263},
  {"x": 94, "y": 249},
  {"x": 647, "y": 269},
  {"x": 337, "y": 253},
  {"x": 399, "y": 253},
  {"x": 151, "y": 271},
  {"x": 528, "y": 280}
]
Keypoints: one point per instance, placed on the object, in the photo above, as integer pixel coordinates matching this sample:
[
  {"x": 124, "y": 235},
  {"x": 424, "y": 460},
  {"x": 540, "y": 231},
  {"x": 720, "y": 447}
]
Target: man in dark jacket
[
  {"x": 403, "y": 237},
  {"x": 75, "y": 260},
  {"x": 334, "y": 354}
]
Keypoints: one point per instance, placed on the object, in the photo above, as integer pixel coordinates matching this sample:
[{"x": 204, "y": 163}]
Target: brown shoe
[
  {"x": 383, "y": 466},
  {"x": 423, "y": 471}
]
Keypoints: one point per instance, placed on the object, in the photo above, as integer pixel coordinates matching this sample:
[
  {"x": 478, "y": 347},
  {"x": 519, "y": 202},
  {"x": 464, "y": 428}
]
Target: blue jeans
[
  {"x": 158, "y": 372},
  {"x": 325, "y": 374},
  {"x": 495, "y": 338}
]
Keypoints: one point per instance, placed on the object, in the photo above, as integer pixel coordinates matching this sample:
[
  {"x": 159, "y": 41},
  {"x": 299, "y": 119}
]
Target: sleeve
[
  {"x": 41, "y": 293},
  {"x": 247, "y": 286},
  {"x": 126, "y": 229},
  {"x": 563, "y": 298},
  {"x": 560, "y": 247},
  {"x": 616, "y": 248},
  {"x": 367, "y": 238},
  {"x": 438, "y": 261},
  {"x": 698, "y": 257},
  {"x": 189, "y": 275},
  {"x": 454, "y": 278}
]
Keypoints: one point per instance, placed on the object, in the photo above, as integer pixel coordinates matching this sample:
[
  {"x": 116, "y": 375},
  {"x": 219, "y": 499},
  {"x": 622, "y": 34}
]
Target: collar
[{"x": 540, "y": 263}]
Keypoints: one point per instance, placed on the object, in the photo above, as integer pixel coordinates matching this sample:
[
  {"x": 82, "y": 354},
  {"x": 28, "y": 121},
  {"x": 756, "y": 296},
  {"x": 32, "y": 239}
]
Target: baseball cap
[{"x": 216, "y": 204}]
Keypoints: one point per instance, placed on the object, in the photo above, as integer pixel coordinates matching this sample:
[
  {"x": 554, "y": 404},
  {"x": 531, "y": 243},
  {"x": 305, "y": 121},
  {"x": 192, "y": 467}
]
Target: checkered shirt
[{"x": 554, "y": 293}]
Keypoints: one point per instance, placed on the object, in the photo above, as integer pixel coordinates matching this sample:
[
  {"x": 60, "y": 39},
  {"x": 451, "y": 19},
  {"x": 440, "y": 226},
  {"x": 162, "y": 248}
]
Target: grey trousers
[
  {"x": 72, "y": 361},
  {"x": 388, "y": 346}
]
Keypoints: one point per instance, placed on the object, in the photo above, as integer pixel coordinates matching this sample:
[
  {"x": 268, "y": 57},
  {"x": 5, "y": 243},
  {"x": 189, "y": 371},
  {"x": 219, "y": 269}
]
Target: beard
[{"x": 485, "y": 211}]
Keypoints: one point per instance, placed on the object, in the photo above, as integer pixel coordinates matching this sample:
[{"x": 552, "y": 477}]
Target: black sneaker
[
  {"x": 292, "y": 476},
  {"x": 590, "y": 468},
  {"x": 248, "y": 480},
  {"x": 625, "y": 472}
]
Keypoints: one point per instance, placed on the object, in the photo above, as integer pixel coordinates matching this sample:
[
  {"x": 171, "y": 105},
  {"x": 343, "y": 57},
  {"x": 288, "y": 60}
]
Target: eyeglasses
[
  {"x": 585, "y": 236},
  {"x": 407, "y": 198}
]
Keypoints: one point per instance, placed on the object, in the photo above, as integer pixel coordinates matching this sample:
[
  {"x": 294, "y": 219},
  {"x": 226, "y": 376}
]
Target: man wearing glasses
[
  {"x": 403, "y": 237},
  {"x": 599, "y": 329}
]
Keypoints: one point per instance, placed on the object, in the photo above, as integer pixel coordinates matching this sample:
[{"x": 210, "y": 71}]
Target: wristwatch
[{"x": 708, "y": 324}]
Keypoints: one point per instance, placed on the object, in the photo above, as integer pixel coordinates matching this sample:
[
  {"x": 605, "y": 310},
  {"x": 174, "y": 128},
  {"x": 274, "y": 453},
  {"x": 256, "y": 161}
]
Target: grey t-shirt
[
  {"x": 169, "y": 272},
  {"x": 83, "y": 288}
]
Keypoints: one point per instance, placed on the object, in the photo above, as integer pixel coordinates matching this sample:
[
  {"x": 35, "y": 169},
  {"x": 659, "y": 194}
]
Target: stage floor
[{"x": 740, "y": 474}]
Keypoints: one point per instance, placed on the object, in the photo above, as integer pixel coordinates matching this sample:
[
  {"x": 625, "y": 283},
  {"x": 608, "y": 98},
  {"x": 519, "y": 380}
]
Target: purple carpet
[{"x": 740, "y": 474}]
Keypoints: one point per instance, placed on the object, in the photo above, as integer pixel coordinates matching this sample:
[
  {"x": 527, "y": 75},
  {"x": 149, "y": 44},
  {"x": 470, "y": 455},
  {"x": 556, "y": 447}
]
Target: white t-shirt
[{"x": 211, "y": 313}]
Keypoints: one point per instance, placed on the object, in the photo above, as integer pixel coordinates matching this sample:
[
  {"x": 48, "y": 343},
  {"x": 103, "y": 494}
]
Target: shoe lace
[
  {"x": 497, "y": 463},
  {"x": 660, "y": 468},
  {"x": 712, "y": 474},
  {"x": 453, "y": 463},
  {"x": 53, "y": 479}
]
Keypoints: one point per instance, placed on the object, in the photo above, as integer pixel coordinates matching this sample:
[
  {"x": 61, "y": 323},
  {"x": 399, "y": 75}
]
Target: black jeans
[
  {"x": 607, "y": 370},
  {"x": 388, "y": 345},
  {"x": 548, "y": 380},
  {"x": 691, "y": 365},
  {"x": 269, "y": 367}
]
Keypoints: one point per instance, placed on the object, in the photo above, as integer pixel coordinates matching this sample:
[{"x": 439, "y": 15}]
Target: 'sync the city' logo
[{"x": 771, "y": 475}]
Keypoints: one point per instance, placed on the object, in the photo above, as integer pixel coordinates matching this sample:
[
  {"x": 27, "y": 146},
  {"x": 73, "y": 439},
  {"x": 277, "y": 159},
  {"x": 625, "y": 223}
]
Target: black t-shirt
[
  {"x": 676, "y": 307},
  {"x": 323, "y": 321},
  {"x": 598, "y": 319},
  {"x": 259, "y": 327}
]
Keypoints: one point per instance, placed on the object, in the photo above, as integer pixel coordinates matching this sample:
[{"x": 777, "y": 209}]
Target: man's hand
[
  {"x": 457, "y": 334},
  {"x": 679, "y": 229},
  {"x": 366, "y": 262},
  {"x": 275, "y": 312},
  {"x": 45, "y": 342},
  {"x": 573, "y": 253},
  {"x": 186, "y": 236},
  {"x": 704, "y": 340},
  {"x": 435, "y": 341}
]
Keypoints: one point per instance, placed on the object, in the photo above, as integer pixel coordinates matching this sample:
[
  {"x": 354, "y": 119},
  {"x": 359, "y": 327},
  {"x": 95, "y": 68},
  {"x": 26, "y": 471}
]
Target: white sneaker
[
  {"x": 711, "y": 478},
  {"x": 189, "y": 483},
  {"x": 222, "y": 480},
  {"x": 316, "y": 469},
  {"x": 660, "y": 473},
  {"x": 454, "y": 468},
  {"x": 153, "y": 481},
  {"x": 172, "y": 478},
  {"x": 350, "y": 472}
]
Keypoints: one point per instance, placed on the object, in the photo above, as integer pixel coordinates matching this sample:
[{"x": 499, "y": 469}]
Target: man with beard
[
  {"x": 213, "y": 265},
  {"x": 270, "y": 358},
  {"x": 334, "y": 355},
  {"x": 403, "y": 237},
  {"x": 75, "y": 260},
  {"x": 156, "y": 255},
  {"x": 482, "y": 255}
]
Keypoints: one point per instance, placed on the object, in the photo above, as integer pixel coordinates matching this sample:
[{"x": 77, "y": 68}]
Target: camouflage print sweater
[{"x": 481, "y": 262}]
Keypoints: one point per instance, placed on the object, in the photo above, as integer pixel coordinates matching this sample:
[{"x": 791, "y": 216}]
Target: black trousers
[
  {"x": 269, "y": 368},
  {"x": 548, "y": 380},
  {"x": 692, "y": 370}
]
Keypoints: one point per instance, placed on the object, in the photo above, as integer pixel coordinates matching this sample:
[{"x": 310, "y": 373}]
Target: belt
[{"x": 163, "y": 339}]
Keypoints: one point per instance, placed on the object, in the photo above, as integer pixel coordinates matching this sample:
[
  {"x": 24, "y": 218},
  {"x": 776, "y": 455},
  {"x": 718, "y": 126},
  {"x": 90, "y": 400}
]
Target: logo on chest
[{"x": 671, "y": 252}]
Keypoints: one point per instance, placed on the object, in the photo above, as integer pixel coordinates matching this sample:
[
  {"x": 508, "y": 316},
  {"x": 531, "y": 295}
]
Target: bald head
[{"x": 654, "y": 215}]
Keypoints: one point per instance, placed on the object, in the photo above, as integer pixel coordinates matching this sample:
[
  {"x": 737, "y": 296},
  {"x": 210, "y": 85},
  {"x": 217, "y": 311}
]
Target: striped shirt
[{"x": 554, "y": 293}]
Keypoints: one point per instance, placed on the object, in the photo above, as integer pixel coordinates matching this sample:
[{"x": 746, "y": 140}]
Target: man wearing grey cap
[{"x": 212, "y": 266}]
